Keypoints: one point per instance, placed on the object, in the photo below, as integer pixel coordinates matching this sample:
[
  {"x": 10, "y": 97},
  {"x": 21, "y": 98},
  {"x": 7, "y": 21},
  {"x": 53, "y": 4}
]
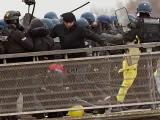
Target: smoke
[{"x": 131, "y": 6}]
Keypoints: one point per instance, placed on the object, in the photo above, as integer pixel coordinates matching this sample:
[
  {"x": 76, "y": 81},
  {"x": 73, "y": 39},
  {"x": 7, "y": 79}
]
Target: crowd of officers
[{"x": 51, "y": 33}]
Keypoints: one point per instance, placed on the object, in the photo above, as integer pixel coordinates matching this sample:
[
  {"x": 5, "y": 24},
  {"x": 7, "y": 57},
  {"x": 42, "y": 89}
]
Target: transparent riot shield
[{"x": 123, "y": 19}]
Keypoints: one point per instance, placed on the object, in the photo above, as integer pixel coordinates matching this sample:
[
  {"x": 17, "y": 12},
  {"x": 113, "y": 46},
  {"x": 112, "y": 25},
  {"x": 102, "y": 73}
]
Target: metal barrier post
[
  {"x": 66, "y": 56},
  {"x": 152, "y": 80},
  {"x": 4, "y": 61}
]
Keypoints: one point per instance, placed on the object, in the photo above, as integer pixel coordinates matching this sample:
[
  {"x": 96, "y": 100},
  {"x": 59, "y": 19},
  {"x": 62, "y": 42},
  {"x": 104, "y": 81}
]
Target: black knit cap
[{"x": 68, "y": 17}]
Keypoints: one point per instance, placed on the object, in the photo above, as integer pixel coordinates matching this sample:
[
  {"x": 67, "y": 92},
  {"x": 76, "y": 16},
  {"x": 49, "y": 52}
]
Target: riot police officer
[
  {"x": 144, "y": 30},
  {"x": 144, "y": 9},
  {"x": 89, "y": 17},
  {"x": 39, "y": 31},
  {"x": 17, "y": 42},
  {"x": 108, "y": 34},
  {"x": 105, "y": 24},
  {"x": 149, "y": 34},
  {"x": 92, "y": 20}
]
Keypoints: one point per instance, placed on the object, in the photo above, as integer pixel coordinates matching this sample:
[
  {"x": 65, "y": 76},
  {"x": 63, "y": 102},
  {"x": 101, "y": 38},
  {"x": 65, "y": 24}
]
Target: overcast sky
[{"x": 58, "y": 6}]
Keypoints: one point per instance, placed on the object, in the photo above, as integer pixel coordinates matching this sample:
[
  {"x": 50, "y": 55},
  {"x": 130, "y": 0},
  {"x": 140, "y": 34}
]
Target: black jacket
[
  {"x": 42, "y": 40},
  {"x": 17, "y": 42},
  {"x": 74, "y": 37}
]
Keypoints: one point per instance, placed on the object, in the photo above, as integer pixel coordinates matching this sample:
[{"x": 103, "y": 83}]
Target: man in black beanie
[
  {"x": 68, "y": 19},
  {"x": 72, "y": 36}
]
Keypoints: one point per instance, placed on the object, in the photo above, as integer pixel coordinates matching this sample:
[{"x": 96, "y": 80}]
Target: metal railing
[
  {"x": 58, "y": 52},
  {"x": 93, "y": 82}
]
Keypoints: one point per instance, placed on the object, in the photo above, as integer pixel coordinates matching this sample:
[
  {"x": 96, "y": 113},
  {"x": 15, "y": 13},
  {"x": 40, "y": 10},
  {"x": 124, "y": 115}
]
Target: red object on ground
[{"x": 57, "y": 67}]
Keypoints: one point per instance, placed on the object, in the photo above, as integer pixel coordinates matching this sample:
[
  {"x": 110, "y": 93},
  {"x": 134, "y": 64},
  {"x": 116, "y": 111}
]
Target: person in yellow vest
[{"x": 129, "y": 70}]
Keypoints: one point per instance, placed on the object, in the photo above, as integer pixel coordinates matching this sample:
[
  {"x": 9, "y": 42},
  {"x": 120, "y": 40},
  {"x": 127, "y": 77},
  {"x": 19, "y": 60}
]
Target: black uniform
[
  {"x": 112, "y": 37},
  {"x": 17, "y": 42},
  {"x": 42, "y": 40},
  {"x": 74, "y": 37}
]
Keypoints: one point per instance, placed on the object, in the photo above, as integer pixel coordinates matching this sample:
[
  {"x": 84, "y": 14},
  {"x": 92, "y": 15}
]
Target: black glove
[
  {"x": 129, "y": 36},
  {"x": 20, "y": 27},
  {"x": 18, "y": 36}
]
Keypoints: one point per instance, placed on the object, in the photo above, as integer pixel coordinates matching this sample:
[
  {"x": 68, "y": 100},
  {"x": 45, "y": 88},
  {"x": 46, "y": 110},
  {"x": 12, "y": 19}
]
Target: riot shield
[{"x": 123, "y": 19}]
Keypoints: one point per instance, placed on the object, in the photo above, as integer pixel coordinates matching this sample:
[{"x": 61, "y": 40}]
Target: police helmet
[
  {"x": 47, "y": 22},
  {"x": 88, "y": 16},
  {"x": 12, "y": 17},
  {"x": 144, "y": 7},
  {"x": 104, "y": 19},
  {"x": 51, "y": 15},
  {"x": 55, "y": 22},
  {"x": 82, "y": 22}
]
